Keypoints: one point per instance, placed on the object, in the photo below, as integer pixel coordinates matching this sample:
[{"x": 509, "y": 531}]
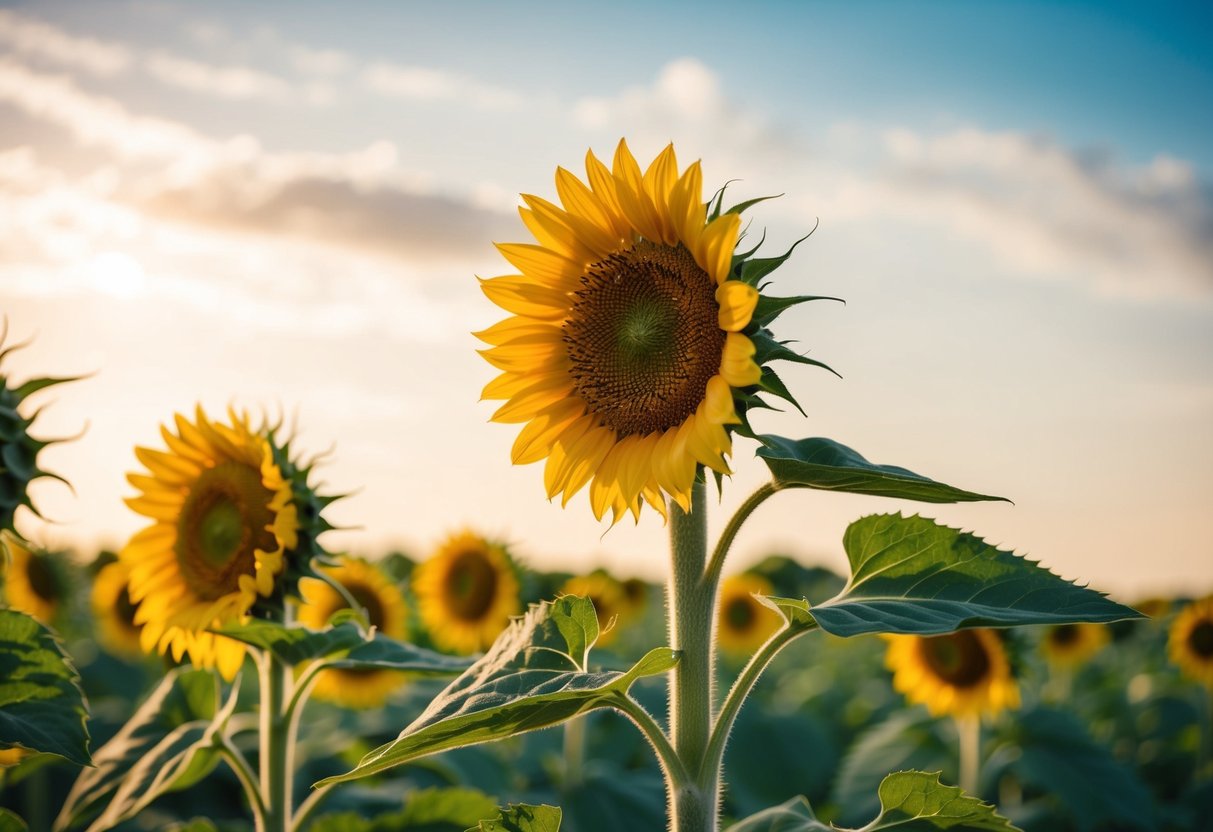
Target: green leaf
[
  {"x": 35, "y": 384},
  {"x": 796, "y": 815},
  {"x": 767, "y": 349},
  {"x": 182, "y": 697},
  {"x": 910, "y": 801},
  {"x": 577, "y": 621},
  {"x": 769, "y": 307},
  {"x": 425, "y": 810},
  {"x": 794, "y": 611},
  {"x": 773, "y": 384},
  {"x": 756, "y": 269},
  {"x": 178, "y": 761},
  {"x": 529, "y": 679},
  {"x": 912, "y": 575},
  {"x": 742, "y": 207},
  {"x": 831, "y": 466},
  {"x": 383, "y": 653},
  {"x": 522, "y": 818},
  {"x": 42, "y": 707},
  {"x": 11, "y": 822},
  {"x": 294, "y": 644}
]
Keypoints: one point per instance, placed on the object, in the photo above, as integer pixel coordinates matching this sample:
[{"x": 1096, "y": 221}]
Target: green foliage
[
  {"x": 426, "y": 810},
  {"x": 11, "y": 822},
  {"x": 910, "y": 801},
  {"x": 912, "y": 575},
  {"x": 42, "y": 707},
  {"x": 529, "y": 679},
  {"x": 831, "y": 466},
  {"x": 522, "y": 818},
  {"x": 163, "y": 747}
]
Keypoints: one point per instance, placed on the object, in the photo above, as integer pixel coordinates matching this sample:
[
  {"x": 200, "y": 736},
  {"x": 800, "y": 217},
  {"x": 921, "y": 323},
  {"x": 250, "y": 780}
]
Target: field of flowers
[{"x": 224, "y": 670}]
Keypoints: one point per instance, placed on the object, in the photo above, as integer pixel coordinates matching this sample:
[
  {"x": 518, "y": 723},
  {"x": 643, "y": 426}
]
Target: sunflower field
[{"x": 226, "y": 669}]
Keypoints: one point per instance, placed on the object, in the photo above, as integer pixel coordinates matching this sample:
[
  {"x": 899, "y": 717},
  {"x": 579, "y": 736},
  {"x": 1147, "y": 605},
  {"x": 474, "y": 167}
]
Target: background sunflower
[
  {"x": 610, "y": 602},
  {"x": 961, "y": 674},
  {"x": 114, "y": 612},
  {"x": 223, "y": 519},
  {"x": 1190, "y": 641},
  {"x": 36, "y": 581},
  {"x": 466, "y": 592},
  {"x": 386, "y": 611},
  {"x": 743, "y": 623},
  {"x": 1071, "y": 645}
]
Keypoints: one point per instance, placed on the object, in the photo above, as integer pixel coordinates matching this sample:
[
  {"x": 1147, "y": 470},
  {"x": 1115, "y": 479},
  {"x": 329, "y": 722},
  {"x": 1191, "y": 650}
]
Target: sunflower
[
  {"x": 386, "y": 611},
  {"x": 114, "y": 612},
  {"x": 964, "y": 674},
  {"x": 35, "y": 580},
  {"x": 466, "y": 592},
  {"x": 610, "y": 602},
  {"x": 224, "y": 520},
  {"x": 744, "y": 622},
  {"x": 633, "y": 346},
  {"x": 18, "y": 449},
  {"x": 635, "y": 597},
  {"x": 13, "y": 755},
  {"x": 1070, "y": 645},
  {"x": 1190, "y": 643}
]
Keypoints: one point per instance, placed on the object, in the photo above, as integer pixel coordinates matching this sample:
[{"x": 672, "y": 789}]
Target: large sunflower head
[
  {"x": 114, "y": 612},
  {"x": 36, "y": 581},
  {"x": 233, "y": 525},
  {"x": 962, "y": 674},
  {"x": 610, "y": 602},
  {"x": 1071, "y": 645},
  {"x": 466, "y": 592},
  {"x": 386, "y": 610},
  {"x": 1190, "y": 641},
  {"x": 636, "y": 338},
  {"x": 18, "y": 449},
  {"x": 743, "y": 622}
]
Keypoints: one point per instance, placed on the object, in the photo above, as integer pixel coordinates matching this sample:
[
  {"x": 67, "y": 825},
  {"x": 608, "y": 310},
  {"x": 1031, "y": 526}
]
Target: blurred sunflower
[
  {"x": 745, "y": 623},
  {"x": 632, "y": 334},
  {"x": 224, "y": 500},
  {"x": 386, "y": 611},
  {"x": 9, "y": 757},
  {"x": 962, "y": 674},
  {"x": 466, "y": 592},
  {"x": 610, "y": 603},
  {"x": 114, "y": 611},
  {"x": 36, "y": 582},
  {"x": 1190, "y": 642},
  {"x": 635, "y": 596},
  {"x": 1070, "y": 645}
]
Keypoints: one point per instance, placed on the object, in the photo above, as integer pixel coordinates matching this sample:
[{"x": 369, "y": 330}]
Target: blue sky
[{"x": 283, "y": 205}]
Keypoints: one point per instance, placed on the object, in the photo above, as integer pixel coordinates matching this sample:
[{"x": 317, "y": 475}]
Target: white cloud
[
  {"x": 35, "y": 39},
  {"x": 426, "y": 84},
  {"x": 235, "y": 82}
]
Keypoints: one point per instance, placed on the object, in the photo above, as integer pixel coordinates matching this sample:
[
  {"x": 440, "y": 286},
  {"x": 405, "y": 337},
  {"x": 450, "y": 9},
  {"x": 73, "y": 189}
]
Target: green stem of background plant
[
  {"x": 968, "y": 728},
  {"x": 574, "y": 750},
  {"x": 692, "y": 600},
  {"x": 277, "y": 766},
  {"x": 711, "y": 575}
]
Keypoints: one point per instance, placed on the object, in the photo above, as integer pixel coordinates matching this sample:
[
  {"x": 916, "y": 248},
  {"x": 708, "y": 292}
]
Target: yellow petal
[
  {"x": 564, "y": 421},
  {"x": 737, "y": 303},
  {"x": 541, "y": 264},
  {"x": 737, "y": 364},
  {"x": 718, "y": 403},
  {"x": 592, "y": 239},
  {"x": 629, "y": 185},
  {"x": 580, "y": 201},
  {"x": 527, "y": 403},
  {"x": 716, "y": 244},
  {"x": 687, "y": 211},
  {"x": 514, "y": 293},
  {"x": 519, "y": 328},
  {"x": 606, "y": 190},
  {"x": 658, "y": 181}
]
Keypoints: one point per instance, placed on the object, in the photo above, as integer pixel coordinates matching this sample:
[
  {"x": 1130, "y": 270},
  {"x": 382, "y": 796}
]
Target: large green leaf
[
  {"x": 345, "y": 645},
  {"x": 529, "y": 679},
  {"x": 910, "y": 801},
  {"x": 426, "y": 810},
  {"x": 182, "y": 758},
  {"x": 832, "y": 466},
  {"x": 912, "y": 575},
  {"x": 11, "y": 822},
  {"x": 182, "y": 697},
  {"x": 42, "y": 707},
  {"x": 522, "y": 818}
]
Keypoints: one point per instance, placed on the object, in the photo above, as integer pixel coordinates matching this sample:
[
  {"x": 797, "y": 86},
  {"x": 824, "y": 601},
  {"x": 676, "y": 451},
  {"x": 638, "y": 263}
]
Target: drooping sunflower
[
  {"x": 1190, "y": 641},
  {"x": 743, "y": 622},
  {"x": 466, "y": 592},
  {"x": 114, "y": 611},
  {"x": 634, "y": 345},
  {"x": 18, "y": 449},
  {"x": 232, "y": 515},
  {"x": 1071, "y": 645},
  {"x": 36, "y": 581},
  {"x": 610, "y": 603},
  {"x": 962, "y": 674},
  {"x": 386, "y": 610}
]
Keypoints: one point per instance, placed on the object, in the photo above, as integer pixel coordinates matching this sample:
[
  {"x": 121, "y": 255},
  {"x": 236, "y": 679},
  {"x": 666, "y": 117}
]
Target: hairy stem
[
  {"x": 692, "y": 600},
  {"x": 711, "y": 575},
  {"x": 675, "y": 773},
  {"x": 277, "y": 764},
  {"x": 248, "y": 779},
  {"x": 969, "y": 730}
]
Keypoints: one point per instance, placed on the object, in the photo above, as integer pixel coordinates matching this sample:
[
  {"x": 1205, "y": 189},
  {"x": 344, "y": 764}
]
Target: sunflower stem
[
  {"x": 692, "y": 606},
  {"x": 277, "y": 767},
  {"x": 244, "y": 773},
  {"x": 968, "y": 728},
  {"x": 711, "y": 575},
  {"x": 574, "y": 751}
]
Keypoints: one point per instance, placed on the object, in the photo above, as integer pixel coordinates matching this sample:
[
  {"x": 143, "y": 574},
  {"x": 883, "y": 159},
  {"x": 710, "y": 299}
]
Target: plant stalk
[
  {"x": 692, "y": 601},
  {"x": 968, "y": 728},
  {"x": 277, "y": 766}
]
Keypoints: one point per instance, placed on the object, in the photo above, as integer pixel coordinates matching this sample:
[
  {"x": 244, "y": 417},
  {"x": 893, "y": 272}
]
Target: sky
[{"x": 284, "y": 207}]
